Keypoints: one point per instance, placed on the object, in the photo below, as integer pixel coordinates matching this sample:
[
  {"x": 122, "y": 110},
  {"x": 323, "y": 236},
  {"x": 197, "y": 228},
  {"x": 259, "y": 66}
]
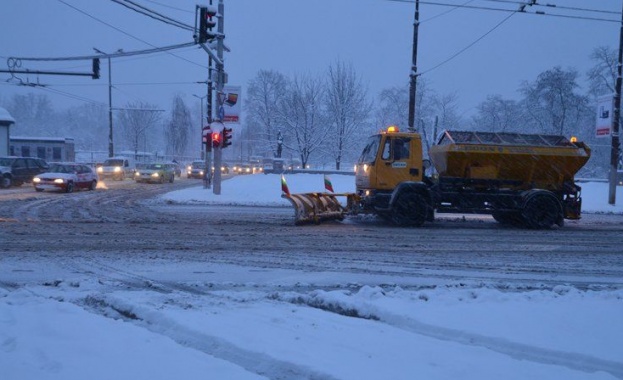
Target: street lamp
[{"x": 111, "y": 151}]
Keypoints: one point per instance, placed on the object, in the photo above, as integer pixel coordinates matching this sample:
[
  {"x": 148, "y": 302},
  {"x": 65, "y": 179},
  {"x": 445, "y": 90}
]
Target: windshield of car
[
  {"x": 198, "y": 165},
  {"x": 113, "y": 163},
  {"x": 155, "y": 166},
  {"x": 58, "y": 168}
]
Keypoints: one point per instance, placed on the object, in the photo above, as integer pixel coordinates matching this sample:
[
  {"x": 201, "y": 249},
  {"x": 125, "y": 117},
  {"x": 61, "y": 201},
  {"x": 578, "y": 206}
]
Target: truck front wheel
[
  {"x": 409, "y": 210},
  {"x": 542, "y": 212}
]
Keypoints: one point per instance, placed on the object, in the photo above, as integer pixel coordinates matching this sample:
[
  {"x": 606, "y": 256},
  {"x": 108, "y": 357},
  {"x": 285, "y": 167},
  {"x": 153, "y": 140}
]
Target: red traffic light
[
  {"x": 206, "y": 23},
  {"x": 216, "y": 139}
]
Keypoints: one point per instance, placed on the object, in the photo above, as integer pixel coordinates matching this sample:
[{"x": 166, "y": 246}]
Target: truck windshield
[{"x": 369, "y": 152}]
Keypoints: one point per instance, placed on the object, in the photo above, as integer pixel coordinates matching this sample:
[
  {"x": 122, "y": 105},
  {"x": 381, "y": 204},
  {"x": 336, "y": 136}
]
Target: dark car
[{"x": 14, "y": 171}]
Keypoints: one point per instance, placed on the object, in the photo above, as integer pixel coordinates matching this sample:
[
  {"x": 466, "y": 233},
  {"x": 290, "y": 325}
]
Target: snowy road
[{"x": 116, "y": 253}]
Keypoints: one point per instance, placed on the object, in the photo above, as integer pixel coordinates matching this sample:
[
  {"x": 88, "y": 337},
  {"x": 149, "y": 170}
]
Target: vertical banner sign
[
  {"x": 605, "y": 110},
  {"x": 231, "y": 104}
]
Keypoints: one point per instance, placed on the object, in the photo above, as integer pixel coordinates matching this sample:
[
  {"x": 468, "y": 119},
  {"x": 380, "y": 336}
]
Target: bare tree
[
  {"x": 178, "y": 128},
  {"x": 135, "y": 120},
  {"x": 552, "y": 101},
  {"x": 497, "y": 114},
  {"x": 34, "y": 115},
  {"x": 445, "y": 107},
  {"x": 88, "y": 125},
  {"x": 303, "y": 117},
  {"x": 347, "y": 110},
  {"x": 603, "y": 75},
  {"x": 264, "y": 95}
]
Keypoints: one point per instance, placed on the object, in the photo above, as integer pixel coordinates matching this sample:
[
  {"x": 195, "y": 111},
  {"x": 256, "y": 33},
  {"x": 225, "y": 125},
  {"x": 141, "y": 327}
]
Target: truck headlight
[{"x": 117, "y": 169}]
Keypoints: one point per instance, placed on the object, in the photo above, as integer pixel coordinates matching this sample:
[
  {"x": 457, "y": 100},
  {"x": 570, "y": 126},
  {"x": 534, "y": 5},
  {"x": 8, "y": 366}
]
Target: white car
[{"x": 66, "y": 177}]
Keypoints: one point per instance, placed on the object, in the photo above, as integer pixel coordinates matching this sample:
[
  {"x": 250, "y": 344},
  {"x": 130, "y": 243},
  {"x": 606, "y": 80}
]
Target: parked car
[
  {"x": 14, "y": 171},
  {"x": 196, "y": 169},
  {"x": 66, "y": 177},
  {"x": 152, "y": 173}
]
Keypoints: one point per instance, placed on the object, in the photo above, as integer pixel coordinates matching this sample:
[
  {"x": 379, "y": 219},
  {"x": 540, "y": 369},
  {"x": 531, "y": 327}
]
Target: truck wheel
[
  {"x": 542, "y": 212},
  {"x": 409, "y": 210}
]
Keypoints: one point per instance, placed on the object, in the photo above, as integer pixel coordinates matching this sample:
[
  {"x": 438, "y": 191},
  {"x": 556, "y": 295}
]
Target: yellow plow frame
[{"x": 318, "y": 207}]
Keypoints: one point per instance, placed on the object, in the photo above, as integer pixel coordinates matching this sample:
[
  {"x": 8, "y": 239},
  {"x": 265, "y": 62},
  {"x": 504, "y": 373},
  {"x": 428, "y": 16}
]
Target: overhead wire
[
  {"x": 127, "y": 34},
  {"x": 520, "y": 9},
  {"x": 478, "y": 7},
  {"x": 153, "y": 14}
]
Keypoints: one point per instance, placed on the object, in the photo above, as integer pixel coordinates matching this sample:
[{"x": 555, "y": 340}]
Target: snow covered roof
[{"x": 5, "y": 117}]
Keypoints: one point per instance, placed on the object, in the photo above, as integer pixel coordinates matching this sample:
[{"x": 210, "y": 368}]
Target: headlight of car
[
  {"x": 137, "y": 174},
  {"x": 201, "y": 172},
  {"x": 117, "y": 169},
  {"x": 100, "y": 169},
  {"x": 155, "y": 175},
  {"x": 36, "y": 180},
  {"x": 59, "y": 180}
]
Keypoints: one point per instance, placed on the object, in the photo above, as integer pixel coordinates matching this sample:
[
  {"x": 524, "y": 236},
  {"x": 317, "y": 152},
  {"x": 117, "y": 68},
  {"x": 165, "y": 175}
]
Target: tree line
[{"x": 323, "y": 119}]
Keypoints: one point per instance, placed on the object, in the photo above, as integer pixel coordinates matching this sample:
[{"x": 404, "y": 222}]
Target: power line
[
  {"x": 152, "y": 14},
  {"x": 468, "y": 46},
  {"x": 112, "y": 55},
  {"x": 550, "y": 5},
  {"x": 127, "y": 34},
  {"x": 540, "y": 13}
]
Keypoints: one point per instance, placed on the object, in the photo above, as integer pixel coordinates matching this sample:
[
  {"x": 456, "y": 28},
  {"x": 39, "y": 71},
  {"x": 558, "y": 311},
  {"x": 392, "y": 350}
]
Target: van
[{"x": 116, "y": 168}]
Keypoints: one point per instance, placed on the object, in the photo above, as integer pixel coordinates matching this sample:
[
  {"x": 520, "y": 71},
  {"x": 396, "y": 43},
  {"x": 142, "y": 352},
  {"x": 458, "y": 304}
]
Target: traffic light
[
  {"x": 96, "y": 68},
  {"x": 226, "y": 137},
  {"x": 216, "y": 139},
  {"x": 207, "y": 138},
  {"x": 206, "y": 23}
]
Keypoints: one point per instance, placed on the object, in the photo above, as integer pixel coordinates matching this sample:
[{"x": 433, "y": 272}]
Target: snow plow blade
[{"x": 318, "y": 207}]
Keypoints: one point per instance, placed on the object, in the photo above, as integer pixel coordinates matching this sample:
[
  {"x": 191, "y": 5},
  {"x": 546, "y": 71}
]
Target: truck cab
[{"x": 389, "y": 159}]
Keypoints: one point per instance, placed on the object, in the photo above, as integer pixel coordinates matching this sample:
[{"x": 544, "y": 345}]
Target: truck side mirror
[{"x": 426, "y": 163}]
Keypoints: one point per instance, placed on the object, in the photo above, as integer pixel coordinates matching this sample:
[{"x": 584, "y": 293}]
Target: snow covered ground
[{"x": 91, "y": 327}]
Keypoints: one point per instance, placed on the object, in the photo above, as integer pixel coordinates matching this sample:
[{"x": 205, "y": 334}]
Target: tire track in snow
[
  {"x": 150, "y": 319},
  {"x": 519, "y": 351}
]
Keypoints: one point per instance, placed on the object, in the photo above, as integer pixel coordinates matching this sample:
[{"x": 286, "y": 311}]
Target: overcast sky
[{"x": 301, "y": 37}]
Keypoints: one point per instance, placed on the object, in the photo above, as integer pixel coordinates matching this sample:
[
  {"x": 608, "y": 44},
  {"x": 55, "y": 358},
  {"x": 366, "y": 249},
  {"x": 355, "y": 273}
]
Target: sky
[
  {"x": 58, "y": 322},
  {"x": 298, "y": 37}
]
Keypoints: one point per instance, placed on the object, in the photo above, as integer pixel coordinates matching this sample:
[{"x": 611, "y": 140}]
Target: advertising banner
[
  {"x": 605, "y": 109},
  {"x": 229, "y": 110}
]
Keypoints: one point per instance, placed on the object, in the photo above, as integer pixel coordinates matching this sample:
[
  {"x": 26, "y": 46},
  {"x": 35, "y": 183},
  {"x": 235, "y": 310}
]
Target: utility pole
[
  {"x": 414, "y": 73},
  {"x": 220, "y": 79},
  {"x": 111, "y": 150},
  {"x": 614, "y": 152}
]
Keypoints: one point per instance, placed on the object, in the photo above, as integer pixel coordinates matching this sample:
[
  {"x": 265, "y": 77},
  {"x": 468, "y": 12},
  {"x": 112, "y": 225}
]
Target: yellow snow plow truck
[{"x": 524, "y": 180}]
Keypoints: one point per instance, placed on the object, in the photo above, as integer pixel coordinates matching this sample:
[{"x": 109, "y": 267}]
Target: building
[
  {"x": 51, "y": 149},
  {"x": 5, "y": 122}
]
